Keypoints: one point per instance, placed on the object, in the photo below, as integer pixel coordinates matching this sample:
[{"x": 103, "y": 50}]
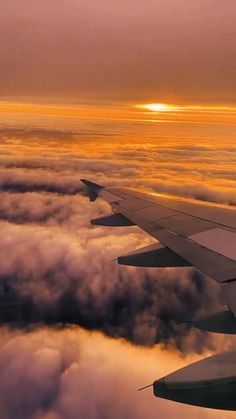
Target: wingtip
[{"x": 91, "y": 185}]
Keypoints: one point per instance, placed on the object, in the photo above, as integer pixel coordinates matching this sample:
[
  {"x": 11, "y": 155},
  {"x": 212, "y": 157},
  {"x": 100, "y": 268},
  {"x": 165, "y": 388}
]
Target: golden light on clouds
[
  {"x": 198, "y": 113},
  {"x": 146, "y": 112},
  {"x": 164, "y": 107}
]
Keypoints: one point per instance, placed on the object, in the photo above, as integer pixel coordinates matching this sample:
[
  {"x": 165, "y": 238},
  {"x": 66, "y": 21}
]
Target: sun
[{"x": 157, "y": 107}]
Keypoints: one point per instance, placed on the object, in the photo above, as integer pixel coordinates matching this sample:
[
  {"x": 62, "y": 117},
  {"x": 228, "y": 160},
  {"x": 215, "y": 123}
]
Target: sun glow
[
  {"x": 143, "y": 112},
  {"x": 158, "y": 107}
]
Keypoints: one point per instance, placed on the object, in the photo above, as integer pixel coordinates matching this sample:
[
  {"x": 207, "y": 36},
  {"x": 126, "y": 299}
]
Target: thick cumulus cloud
[
  {"x": 56, "y": 270},
  {"x": 54, "y": 277},
  {"x": 70, "y": 374},
  {"x": 22, "y": 181}
]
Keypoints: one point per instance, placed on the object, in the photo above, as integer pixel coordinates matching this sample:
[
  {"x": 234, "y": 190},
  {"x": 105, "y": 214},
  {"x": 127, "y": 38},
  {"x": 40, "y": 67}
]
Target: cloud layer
[
  {"x": 59, "y": 268},
  {"x": 71, "y": 374},
  {"x": 56, "y": 270}
]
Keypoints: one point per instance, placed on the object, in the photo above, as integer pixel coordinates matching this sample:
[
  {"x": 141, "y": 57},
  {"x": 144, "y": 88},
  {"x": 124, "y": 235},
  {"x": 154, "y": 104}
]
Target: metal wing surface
[{"x": 191, "y": 232}]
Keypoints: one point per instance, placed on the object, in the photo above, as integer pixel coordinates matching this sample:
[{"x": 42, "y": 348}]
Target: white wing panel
[{"x": 217, "y": 239}]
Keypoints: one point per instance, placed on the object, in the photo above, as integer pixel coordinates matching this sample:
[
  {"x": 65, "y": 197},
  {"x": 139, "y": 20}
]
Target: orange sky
[
  {"x": 187, "y": 113},
  {"x": 173, "y": 51}
]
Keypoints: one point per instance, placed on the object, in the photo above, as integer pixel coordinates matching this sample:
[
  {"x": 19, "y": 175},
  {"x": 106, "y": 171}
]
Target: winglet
[
  {"x": 91, "y": 185},
  {"x": 94, "y": 189}
]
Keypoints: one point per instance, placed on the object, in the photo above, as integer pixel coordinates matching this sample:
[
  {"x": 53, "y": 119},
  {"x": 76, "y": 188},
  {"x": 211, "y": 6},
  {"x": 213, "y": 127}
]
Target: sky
[
  {"x": 130, "y": 93},
  {"x": 69, "y": 50}
]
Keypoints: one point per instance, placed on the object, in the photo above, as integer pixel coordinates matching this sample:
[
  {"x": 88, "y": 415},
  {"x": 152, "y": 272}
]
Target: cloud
[
  {"x": 70, "y": 374},
  {"x": 50, "y": 209},
  {"x": 166, "y": 166},
  {"x": 59, "y": 278},
  {"x": 20, "y": 181},
  {"x": 59, "y": 268},
  {"x": 56, "y": 270}
]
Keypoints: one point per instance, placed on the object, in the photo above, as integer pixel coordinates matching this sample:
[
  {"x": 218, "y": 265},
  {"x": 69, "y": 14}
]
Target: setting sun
[{"x": 158, "y": 107}]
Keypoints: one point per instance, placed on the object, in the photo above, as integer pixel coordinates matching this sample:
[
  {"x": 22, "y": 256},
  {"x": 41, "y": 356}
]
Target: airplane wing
[{"x": 190, "y": 232}]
